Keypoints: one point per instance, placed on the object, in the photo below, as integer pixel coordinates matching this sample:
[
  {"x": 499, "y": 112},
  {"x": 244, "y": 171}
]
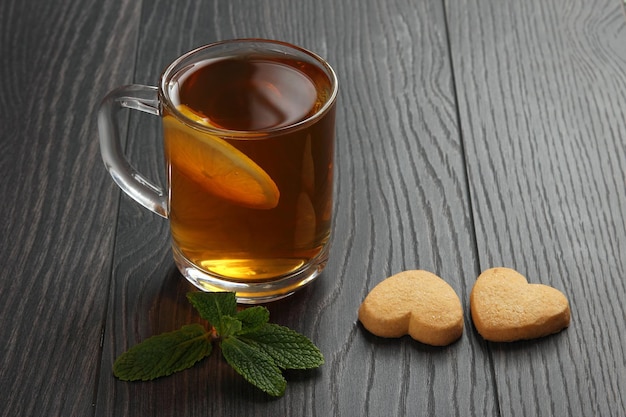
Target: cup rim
[{"x": 172, "y": 68}]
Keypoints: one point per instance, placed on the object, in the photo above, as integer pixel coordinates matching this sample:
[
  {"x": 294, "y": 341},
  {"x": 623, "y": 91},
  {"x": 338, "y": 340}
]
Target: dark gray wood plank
[
  {"x": 542, "y": 103},
  {"x": 59, "y": 206},
  {"x": 402, "y": 203}
]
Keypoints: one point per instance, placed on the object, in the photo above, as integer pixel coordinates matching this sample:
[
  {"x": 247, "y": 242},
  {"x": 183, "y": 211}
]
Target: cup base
[{"x": 252, "y": 292}]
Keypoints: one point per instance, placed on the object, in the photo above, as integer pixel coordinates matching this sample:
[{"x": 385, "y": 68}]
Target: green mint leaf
[
  {"x": 255, "y": 348},
  {"x": 164, "y": 354},
  {"x": 252, "y": 318},
  {"x": 254, "y": 365},
  {"x": 213, "y": 306},
  {"x": 287, "y": 348},
  {"x": 230, "y": 326}
]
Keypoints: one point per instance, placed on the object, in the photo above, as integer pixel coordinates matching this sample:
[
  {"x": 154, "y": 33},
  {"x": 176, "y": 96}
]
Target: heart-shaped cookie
[
  {"x": 417, "y": 303},
  {"x": 505, "y": 307}
]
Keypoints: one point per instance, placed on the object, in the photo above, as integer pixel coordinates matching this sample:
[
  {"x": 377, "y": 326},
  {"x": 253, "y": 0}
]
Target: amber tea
[
  {"x": 248, "y": 128},
  {"x": 252, "y": 203}
]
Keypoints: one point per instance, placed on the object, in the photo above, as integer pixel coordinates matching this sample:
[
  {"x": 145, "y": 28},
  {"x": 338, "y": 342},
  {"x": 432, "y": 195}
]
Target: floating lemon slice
[{"x": 217, "y": 166}]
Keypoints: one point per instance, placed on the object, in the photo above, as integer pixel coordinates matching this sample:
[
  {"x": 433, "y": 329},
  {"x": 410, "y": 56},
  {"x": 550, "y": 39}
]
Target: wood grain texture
[
  {"x": 542, "y": 103},
  {"x": 58, "y": 202},
  {"x": 470, "y": 134},
  {"x": 401, "y": 203}
]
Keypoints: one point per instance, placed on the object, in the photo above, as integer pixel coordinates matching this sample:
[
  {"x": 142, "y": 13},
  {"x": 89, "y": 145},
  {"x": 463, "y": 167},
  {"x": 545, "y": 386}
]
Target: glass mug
[{"x": 248, "y": 135}]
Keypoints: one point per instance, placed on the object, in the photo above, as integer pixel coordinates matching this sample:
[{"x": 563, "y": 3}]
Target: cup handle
[{"x": 138, "y": 97}]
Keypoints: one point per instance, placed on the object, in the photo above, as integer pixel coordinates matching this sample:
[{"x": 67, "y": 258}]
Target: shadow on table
[{"x": 169, "y": 308}]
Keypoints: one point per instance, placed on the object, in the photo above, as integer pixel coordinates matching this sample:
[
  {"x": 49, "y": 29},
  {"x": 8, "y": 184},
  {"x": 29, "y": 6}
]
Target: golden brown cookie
[
  {"x": 505, "y": 307},
  {"x": 417, "y": 303}
]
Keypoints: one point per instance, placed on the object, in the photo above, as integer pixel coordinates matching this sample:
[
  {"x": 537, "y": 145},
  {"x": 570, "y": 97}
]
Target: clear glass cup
[{"x": 248, "y": 136}]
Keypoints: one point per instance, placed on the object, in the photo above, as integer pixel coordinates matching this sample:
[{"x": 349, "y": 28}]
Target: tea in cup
[{"x": 248, "y": 135}]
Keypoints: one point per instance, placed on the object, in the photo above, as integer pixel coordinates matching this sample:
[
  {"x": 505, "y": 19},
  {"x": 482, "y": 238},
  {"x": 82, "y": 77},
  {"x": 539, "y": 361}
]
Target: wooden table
[{"x": 470, "y": 134}]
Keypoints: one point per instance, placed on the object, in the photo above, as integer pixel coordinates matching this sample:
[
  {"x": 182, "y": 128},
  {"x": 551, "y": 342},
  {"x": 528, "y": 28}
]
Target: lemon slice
[{"x": 217, "y": 166}]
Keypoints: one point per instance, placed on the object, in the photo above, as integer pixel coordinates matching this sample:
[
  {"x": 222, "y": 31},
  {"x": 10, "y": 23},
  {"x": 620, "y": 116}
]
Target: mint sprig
[
  {"x": 164, "y": 354},
  {"x": 256, "y": 349}
]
